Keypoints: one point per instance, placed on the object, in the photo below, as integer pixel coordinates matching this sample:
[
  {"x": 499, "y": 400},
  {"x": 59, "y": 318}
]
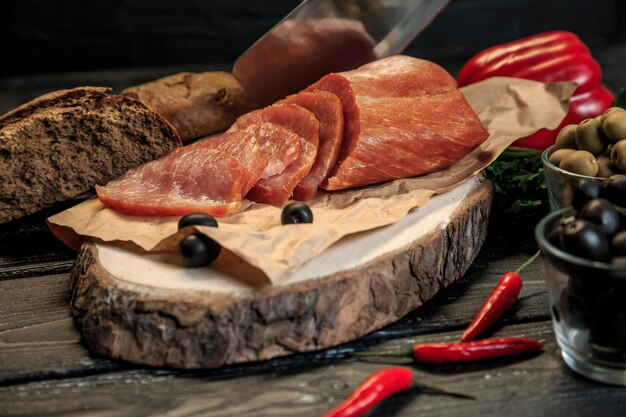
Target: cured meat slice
[
  {"x": 190, "y": 179},
  {"x": 280, "y": 144},
  {"x": 243, "y": 146},
  {"x": 396, "y": 127},
  {"x": 278, "y": 188},
  {"x": 328, "y": 111}
]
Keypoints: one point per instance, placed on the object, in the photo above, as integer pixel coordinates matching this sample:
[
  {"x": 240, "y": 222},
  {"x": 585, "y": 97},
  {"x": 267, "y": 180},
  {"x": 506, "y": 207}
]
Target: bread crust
[
  {"x": 197, "y": 104},
  {"x": 60, "y": 145}
]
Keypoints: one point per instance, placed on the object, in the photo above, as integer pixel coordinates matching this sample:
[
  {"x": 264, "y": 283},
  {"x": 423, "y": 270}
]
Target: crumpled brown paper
[{"x": 509, "y": 108}]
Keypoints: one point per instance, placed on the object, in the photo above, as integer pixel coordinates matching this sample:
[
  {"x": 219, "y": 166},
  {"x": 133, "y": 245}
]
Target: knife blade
[{"x": 323, "y": 36}]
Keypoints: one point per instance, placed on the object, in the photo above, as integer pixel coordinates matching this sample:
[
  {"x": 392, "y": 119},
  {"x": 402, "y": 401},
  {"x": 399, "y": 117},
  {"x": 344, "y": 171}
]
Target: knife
[{"x": 323, "y": 36}]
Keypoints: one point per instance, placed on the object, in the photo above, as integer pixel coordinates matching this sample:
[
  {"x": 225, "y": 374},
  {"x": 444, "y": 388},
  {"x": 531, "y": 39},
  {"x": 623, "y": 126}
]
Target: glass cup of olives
[
  {"x": 594, "y": 148},
  {"x": 584, "y": 261},
  {"x": 561, "y": 182}
]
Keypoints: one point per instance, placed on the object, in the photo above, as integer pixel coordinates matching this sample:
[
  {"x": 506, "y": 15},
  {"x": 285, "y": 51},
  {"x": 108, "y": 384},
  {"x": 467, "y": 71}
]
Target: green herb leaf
[{"x": 519, "y": 184}]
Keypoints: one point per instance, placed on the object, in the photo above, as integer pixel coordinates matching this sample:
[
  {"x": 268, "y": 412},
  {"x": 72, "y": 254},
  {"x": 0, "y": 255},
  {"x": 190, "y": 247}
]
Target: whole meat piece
[{"x": 403, "y": 117}]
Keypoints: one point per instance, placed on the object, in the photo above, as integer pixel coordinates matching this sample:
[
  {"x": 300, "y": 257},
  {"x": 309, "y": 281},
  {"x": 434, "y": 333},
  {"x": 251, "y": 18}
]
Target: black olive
[
  {"x": 618, "y": 244},
  {"x": 583, "y": 238},
  {"x": 296, "y": 213},
  {"x": 197, "y": 219},
  {"x": 556, "y": 231},
  {"x": 601, "y": 213},
  {"x": 586, "y": 190},
  {"x": 198, "y": 250},
  {"x": 615, "y": 190}
]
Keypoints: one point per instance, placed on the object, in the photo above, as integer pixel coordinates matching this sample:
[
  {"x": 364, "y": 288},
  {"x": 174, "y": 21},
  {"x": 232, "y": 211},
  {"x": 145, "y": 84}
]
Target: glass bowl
[
  {"x": 560, "y": 182},
  {"x": 588, "y": 307}
]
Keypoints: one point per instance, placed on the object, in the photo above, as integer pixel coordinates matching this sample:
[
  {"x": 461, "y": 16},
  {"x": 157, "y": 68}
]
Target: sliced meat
[
  {"x": 328, "y": 111},
  {"x": 265, "y": 149},
  {"x": 242, "y": 146},
  {"x": 277, "y": 189},
  {"x": 340, "y": 86},
  {"x": 191, "y": 179},
  {"x": 399, "y": 125},
  {"x": 280, "y": 144}
]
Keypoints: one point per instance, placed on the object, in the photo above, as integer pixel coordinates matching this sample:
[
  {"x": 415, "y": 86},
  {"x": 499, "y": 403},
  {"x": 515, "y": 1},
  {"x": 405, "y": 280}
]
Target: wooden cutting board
[{"x": 146, "y": 309}]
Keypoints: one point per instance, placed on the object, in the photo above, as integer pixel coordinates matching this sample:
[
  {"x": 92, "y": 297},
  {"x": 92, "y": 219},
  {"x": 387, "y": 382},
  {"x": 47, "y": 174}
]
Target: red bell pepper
[{"x": 545, "y": 57}]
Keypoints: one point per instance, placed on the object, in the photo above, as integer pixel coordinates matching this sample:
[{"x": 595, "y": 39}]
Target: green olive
[
  {"x": 618, "y": 155},
  {"x": 615, "y": 126},
  {"x": 608, "y": 111},
  {"x": 557, "y": 156},
  {"x": 567, "y": 195},
  {"x": 566, "y": 139},
  {"x": 580, "y": 162},
  {"x": 590, "y": 137},
  {"x": 605, "y": 167}
]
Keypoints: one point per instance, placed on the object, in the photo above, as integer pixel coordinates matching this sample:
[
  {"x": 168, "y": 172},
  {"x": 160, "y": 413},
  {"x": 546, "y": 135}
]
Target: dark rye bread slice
[
  {"x": 197, "y": 104},
  {"x": 59, "y": 145}
]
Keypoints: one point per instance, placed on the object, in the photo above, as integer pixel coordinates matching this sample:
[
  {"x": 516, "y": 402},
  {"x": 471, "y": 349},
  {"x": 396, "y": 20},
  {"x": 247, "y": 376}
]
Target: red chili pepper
[
  {"x": 377, "y": 387},
  {"x": 545, "y": 57},
  {"x": 474, "y": 351},
  {"x": 501, "y": 299},
  {"x": 382, "y": 385}
]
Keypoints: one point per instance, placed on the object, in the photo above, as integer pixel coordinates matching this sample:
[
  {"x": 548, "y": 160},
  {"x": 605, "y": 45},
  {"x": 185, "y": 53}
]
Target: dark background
[{"x": 44, "y": 38}]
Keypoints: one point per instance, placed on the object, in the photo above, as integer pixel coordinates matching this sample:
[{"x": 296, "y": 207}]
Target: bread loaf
[
  {"x": 58, "y": 146},
  {"x": 197, "y": 104}
]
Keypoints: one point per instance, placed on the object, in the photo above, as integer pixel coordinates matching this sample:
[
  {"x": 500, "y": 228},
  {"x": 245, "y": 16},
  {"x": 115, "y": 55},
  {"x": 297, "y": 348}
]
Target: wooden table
[{"x": 45, "y": 370}]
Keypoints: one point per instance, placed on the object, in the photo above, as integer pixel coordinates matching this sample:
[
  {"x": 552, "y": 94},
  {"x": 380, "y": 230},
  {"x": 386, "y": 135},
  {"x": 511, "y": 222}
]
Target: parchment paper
[{"x": 509, "y": 108}]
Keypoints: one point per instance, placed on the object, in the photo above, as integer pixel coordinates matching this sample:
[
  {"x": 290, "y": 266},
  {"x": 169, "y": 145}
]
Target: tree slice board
[{"x": 144, "y": 309}]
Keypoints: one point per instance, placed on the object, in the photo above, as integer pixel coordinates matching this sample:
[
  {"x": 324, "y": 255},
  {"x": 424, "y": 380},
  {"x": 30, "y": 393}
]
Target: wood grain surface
[
  {"x": 46, "y": 369},
  {"x": 155, "y": 325}
]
